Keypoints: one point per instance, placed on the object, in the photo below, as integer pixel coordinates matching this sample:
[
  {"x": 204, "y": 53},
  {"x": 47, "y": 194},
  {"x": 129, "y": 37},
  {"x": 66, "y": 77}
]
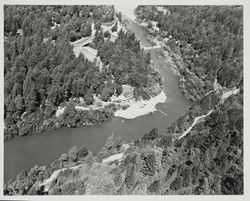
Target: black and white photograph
[{"x": 122, "y": 99}]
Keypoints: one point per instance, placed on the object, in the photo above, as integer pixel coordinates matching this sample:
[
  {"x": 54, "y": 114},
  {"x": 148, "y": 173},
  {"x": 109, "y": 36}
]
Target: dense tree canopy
[
  {"x": 209, "y": 38},
  {"x": 207, "y": 160},
  {"x": 41, "y": 71}
]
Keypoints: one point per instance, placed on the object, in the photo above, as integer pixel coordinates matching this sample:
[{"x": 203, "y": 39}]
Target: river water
[{"x": 42, "y": 149}]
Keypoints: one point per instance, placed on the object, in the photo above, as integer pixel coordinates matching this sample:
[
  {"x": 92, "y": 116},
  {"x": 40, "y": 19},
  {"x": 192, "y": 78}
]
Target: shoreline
[
  {"x": 134, "y": 108},
  {"x": 170, "y": 59},
  {"x": 142, "y": 107}
]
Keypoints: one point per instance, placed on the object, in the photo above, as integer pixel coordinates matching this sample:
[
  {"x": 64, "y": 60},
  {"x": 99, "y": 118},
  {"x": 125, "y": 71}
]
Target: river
[{"x": 42, "y": 149}]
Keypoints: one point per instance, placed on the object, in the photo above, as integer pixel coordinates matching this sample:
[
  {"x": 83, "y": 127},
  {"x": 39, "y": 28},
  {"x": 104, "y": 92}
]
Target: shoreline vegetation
[
  {"x": 162, "y": 158},
  {"x": 186, "y": 53},
  {"x": 141, "y": 107},
  {"x": 125, "y": 105},
  {"x": 50, "y": 81},
  {"x": 201, "y": 153},
  {"x": 174, "y": 61},
  {"x": 167, "y": 52}
]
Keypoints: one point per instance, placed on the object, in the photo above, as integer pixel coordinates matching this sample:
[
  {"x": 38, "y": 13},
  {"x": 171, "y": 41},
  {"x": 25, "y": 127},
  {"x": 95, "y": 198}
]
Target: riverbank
[
  {"x": 76, "y": 112},
  {"x": 66, "y": 116},
  {"x": 79, "y": 172},
  {"x": 200, "y": 153},
  {"x": 125, "y": 105},
  {"x": 40, "y": 180},
  {"x": 17, "y": 151},
  {"x": 192, "y": 86},
  {"x": 142, "y": 107},
  {"x": 50, "y": 116}
]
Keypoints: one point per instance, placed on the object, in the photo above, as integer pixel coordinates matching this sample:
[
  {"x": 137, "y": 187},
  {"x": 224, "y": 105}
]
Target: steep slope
[
  {"x": 200, "y": 153},
  {"x": 207, "y": 160}
]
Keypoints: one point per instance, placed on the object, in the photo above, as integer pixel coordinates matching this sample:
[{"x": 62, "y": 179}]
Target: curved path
[{"x": 47, "y": 147}]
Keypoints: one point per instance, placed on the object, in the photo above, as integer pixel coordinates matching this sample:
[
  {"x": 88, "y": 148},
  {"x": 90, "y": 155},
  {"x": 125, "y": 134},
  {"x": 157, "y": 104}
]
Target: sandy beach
[{"x": 142, "y": 107}]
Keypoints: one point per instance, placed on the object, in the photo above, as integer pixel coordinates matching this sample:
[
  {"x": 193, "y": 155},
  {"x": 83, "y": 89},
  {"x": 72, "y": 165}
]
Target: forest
[
  {"x": 41, "y": 71},
  {"x": 209, "y": 39},
  {"x": 207, "y": 161}
]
